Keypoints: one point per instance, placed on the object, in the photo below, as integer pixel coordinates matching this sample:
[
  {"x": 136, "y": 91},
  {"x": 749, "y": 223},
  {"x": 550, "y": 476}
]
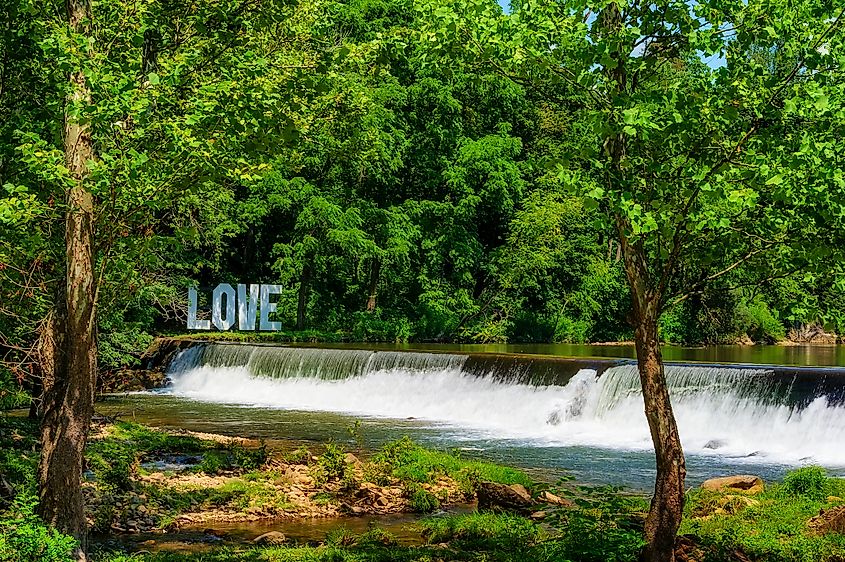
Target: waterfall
[
  {"x": 727, "y": 411},
  {"x": 297, "y": 362}
]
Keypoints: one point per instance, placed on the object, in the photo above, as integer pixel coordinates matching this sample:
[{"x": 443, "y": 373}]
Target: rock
[
  {"x": 714, "y": 444},
  {"x": 501, "y": 497},
  {"x": 811, "y": 333},
  {"x": 830, "y": 520},
  {"x": 553, "y": 499},
  {"x": 271, "y": 538},
  {"x": 744, "y": 339},
  {"x": 734, "y": 504},
  {"x": 352, "y": 459},
  {"x": 745, "y": 484}
]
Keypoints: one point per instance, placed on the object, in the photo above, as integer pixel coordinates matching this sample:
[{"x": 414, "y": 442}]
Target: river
[{"x": 520, "y": 405}]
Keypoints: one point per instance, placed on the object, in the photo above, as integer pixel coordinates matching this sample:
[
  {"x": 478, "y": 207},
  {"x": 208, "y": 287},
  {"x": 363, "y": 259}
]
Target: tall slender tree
[{"x": 69, "y": 401}]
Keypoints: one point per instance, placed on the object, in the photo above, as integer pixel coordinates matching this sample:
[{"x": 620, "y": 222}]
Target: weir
[{"x": 784, "y": 414}]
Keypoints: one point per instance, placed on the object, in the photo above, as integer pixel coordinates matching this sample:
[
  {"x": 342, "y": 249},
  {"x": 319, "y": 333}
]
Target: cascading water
[{"x": 738, "y": 412}]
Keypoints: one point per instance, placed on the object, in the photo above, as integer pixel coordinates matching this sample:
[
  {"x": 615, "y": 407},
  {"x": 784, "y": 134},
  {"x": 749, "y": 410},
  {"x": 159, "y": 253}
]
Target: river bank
[{"x": 158, "y": 496}]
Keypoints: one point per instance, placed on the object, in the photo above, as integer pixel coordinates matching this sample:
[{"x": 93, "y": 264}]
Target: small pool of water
[{"x": 207, "y": 536}]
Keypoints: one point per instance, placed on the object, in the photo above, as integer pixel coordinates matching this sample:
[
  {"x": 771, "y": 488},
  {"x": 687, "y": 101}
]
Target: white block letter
[
  {"x": 217, "y": 307},
  {"x": 247, "y": 306},
  {"x": 193, "y": 323},
  {"x": 267, "y": 307}
]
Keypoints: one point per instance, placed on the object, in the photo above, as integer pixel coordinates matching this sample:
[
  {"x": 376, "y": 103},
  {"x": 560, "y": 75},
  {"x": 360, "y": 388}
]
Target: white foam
[{"x": 723, "y": 418}]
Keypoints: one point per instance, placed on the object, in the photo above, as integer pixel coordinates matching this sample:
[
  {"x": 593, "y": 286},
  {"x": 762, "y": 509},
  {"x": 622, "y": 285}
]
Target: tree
[
  {"x": 716, "y": 146},
  {"x": 158, "y": 102},
  {"x": 69, "y": 399}
]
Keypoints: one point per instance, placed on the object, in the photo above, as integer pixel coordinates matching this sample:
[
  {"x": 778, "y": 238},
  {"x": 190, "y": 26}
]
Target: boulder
[
  {"x": 830, "y": 520},
  {"x": 502, "y": 497},
  {"x": 744, "y": 483},
  {"x": 553, "y": 499},
  {"x": 271, "y": 538}
]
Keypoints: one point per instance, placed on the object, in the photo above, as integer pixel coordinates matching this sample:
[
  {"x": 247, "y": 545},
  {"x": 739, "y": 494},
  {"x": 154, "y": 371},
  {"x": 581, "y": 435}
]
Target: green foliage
[
  {"x": 410, "y": 463},
  {"x": 810, "y": 482},
  {"x": 606, "y": 526},
  {"x": 482, "y": 530},
  {"x": 773, "y": 525},
  {"x": 421, "y": 500},
  {"x": 12, "y": 394},
  {"x": 25, "y": 538},
  {"x": 333, "y": 462},
  {"x": 761, "y": 323}
]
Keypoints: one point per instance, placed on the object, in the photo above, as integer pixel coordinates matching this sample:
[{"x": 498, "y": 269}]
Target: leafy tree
[{"x": 699, "y": 168}]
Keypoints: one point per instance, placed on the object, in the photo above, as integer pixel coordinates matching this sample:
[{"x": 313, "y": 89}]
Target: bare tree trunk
[
  {"x": 69, "y": 405},
  {"x": 302, "y": 298},
  {"x": 375, "y": 271},
  {"x": 667, "y": 504}
]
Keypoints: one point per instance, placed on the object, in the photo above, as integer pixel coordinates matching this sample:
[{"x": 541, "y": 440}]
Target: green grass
[
  {"x": 774, "y": 528},
  {"x": 481, "y": 531},
  {"x": 284, "y": 336},
  {"x": 408, "y": 462}
]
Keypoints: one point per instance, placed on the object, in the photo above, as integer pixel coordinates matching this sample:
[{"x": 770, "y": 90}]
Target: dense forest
[
  {"x": 317, "y": 146},
  {"x": 430, "y": 170}
]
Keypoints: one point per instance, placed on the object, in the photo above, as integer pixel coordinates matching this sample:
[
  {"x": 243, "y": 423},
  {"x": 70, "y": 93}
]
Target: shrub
[
  {"x": 333, "y": 462},
  {"x": 24, "y": 538},
  {"x": 300, "y": 455},
  {"x": 810, "y": 482},
  {"x": 421, "y": 500}
]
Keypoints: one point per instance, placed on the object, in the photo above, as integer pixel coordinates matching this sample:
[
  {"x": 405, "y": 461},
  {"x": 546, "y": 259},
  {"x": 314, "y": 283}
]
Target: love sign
[{"x": 244, "y": 306}]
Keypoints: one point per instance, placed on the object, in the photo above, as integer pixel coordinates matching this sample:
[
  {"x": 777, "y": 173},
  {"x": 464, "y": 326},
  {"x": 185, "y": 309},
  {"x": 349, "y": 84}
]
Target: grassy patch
[
  {"x": 481, "y": 531},
  {"x": 283, "y": 336},
  {"x": 115, "y": 458},
  {"x": 773, "y": 526},
  {"x": 408, "y": 462}
]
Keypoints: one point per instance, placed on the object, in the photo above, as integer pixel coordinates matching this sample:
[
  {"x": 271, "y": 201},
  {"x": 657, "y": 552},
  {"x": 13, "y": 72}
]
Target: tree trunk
[
  {"x": 49, "y": 345},
  {"x": 302, "y": 299},
  {"x": 69, "y": 405},
  {"x": 664, "y": 516},
  {"x": 375, "y": 271},
  {"x": 667, "y": 504}
]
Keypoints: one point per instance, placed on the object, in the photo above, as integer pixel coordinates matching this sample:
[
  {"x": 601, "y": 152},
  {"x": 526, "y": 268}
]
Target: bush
[
  {"x": 810, "y": 482},
  {"x": 760, "y": 322},
  {"x": 333, "y": 462},
  {"x": 24, "y": 538},
  {"x": 12, "y": 395},
  {"x": 421, "y": 500}
]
